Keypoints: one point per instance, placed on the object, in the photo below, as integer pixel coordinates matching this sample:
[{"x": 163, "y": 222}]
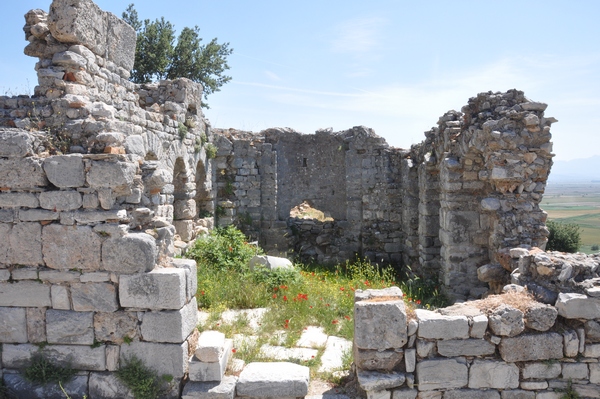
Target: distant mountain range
[{"x": 576, "y": 170}]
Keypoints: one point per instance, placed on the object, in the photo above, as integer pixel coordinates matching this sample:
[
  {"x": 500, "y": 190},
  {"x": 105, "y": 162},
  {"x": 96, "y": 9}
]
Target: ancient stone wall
[
  {"x": 508, "y": 346},
  {"x": 444, "y": 208},
  {"x": 98, "y": 179}
]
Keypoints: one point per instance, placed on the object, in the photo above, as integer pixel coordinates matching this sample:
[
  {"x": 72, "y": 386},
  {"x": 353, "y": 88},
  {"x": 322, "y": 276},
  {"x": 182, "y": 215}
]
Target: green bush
[
  {"x": 595, "y": 247},
  {"x": 143, "y": 382},
  {"x": 211, "y": 150},
  {"x": 226, "y": 248},
  {"x": 563, "y": 237}
]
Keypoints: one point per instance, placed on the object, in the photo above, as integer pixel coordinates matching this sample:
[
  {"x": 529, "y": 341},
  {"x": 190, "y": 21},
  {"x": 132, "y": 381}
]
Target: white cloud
[
  {"x": 272, "y": 76},
  {"x": 358, "y": 36}
]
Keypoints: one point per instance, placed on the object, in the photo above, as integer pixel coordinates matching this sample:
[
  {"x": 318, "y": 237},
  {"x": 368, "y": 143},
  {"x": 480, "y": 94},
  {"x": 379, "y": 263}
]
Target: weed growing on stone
[
  {"x": 569, "y": 392},
  {"x": 211, "y": 150},
  {"x": 143, "y": 382},
  {"x": 183, "y": 130},
  {"x": 42, "y": 371}
]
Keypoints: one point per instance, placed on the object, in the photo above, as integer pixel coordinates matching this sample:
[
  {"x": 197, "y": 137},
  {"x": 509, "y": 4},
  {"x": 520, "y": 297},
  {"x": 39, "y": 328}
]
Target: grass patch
[
  {"x": 308, "y": 295},
  {"x": 143, "y": 382},
  {"x": 42, "y": 371}
]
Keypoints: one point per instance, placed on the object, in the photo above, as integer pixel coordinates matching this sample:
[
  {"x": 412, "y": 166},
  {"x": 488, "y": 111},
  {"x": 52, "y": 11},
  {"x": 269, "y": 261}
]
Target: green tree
[
  {"x": 564, "y": 237},
  {"x": 158, "y": 57}
]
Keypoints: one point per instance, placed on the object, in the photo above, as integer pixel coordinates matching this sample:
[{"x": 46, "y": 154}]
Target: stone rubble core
[
  {"x": 464, "y": 352},
  {"x": 103, "y": 181}
]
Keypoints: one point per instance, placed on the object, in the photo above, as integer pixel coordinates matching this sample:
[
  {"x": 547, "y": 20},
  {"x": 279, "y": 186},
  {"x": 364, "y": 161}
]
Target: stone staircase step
[{"x": 273, "y": 380}]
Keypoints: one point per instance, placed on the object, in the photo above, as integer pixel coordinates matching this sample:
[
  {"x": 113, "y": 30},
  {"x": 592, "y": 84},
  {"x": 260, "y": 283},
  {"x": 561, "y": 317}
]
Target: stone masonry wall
[
  {"x": 527, "y": 350},
  {"x": 444, "y": 208},
  {"x": 98, "y": 179}
]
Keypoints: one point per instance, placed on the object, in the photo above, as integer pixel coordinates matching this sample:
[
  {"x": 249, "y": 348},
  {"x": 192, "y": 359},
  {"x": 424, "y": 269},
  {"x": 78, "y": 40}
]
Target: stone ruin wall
[
  {"x": 99, "y": 180},
  {"x": 511, "y": 349},
  {"x": 444, "y": 208}
]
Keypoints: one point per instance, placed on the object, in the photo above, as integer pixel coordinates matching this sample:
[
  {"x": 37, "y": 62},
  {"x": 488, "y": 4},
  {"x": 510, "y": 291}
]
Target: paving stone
[
  {"x": 283, "y": 353},
  {"x": 273, "y": 380},
  {"x": 200, "y": 371},
  {"x": 170, "y": 325},
  {"x": 335, "y": 350},
  {"x": 433, "y": 325},
  {"x": 312, "y": 337},
  {"x": 253, "y": 316},
  {"x": 441, "y": 374},
  {"x": 224, "y": 389}
]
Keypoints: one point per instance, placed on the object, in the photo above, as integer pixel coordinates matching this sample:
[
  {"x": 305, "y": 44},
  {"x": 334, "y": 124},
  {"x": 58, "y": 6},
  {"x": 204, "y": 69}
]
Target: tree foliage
[
  {"x": 563, "y": 237},
  {"x": 159, "y": 56}
]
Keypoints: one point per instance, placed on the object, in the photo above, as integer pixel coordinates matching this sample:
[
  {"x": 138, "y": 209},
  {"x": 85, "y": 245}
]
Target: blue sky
[{"x": 395, "y": 66}]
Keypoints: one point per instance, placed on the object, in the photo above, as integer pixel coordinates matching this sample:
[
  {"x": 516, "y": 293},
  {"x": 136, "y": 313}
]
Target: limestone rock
[
  {"x": 377, "y": 360},
  {"x": 68, "y": 247},
  {"x": 13, "y": 325},
  {"x": 14, "y": 143},
  {"x": 377, "y": 381},
  {"x": 159, "y": 289},
  {"x": 211, "y": 371},
  {"x": 96, "y": 297},
  {"x": 173, "y": 326},
  {"x": 273, "y": 380},
  {"x": 506, "y": 321},
  {"x": 380, "y": 325},
  {"x": 210, "y": 346},
  {"x": 530, "y": 347},
  {"x": 115, "y": 326},
  {"x": 493, "y": 374},
  {"x": 441, "y": 374},
  {"x": 578, "y": 306},
  {"x": 21, "y": 173},
  {"x": 25, "y": 293},
  {"x": 270, "y": 262},
  {"x": 433, "y": 325},
  {"x": 67, "y": 327},
  {"x": 465, "y": 347},
  {"x": 58, "y": 201},
  {"x": 132, "y": 253},
  {"x": 540, "y": 317}
]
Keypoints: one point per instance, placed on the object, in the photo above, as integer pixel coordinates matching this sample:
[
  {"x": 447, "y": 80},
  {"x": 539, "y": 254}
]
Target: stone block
[
  {"x": 114, "y": 327},
  {"x": 26, "y": 273},
  {"x": 159, "y": 289},
  {"x": 426, "y": 348},
  {"x": 58, "y": 277},
  {"x": 15, "y": 143},
  {"x": 506, "y": 321},
  {"x": 541, "y": 371},
  {"x": 37, "y": 215},
  {"x": 379, "y": 394},
  {"x": 17, "y": 385},
  {"x": 68, "y": 247},
  {"x": 571, "y": 343},
  {"x": 479, "y": 326},
  {"x": 184, "y": 209},
  {"x": 60, "y": 297},
  {"x": 224, "y": 389},
  {"x": 410, "y": 360},
  {"x": 279, "y": 379},
  {"x": 433, "y": 325},
  {"x": 578, "y": 306},
  {"x": 36, "y": 325},
  {"x": 594, "y": 373},
  {"x": 26, "y": 244},
  {"x": 441, "y": 374},
  {"x": 13, "y": 325},
  {"x": 68, "y": 327},
  {"x": 404, "y": 393},
  {"x": 19, "y": 200},
  {"x": 112, "y": 357},
  {"x": 518, "y": 394},
  {"x": 210, "y": 347},
  {"x": 132, "y": 253},
  {"x": 7, "y": 215},
  {"x": 170, "y": 325},
  {"x": 530, "y": 347},
  {"x": 79, "y": 357},
  {"x": 22, "y": 173},
  {"x": 380, "y": 324},
  {"x": 465, "y": 347},
  {"x": 493, "y": 374},
  {"x": 59, "y": 201},
  {"x": 114, "y": 175},
  {"x": 165, "y": 359},
  {"x": 94, "y": 297},
  {"x": 592, "y": 350},
  {"x": 65, "y": 171},
  {"x": 26, "y": 294},
  {"x": 191, "y": 275},
  {"x": 471, "y": 394},
  {"x": 200, "y": 371},
  {"x": 108, "y": 386},
  {"x": 185, "y": 229},
  {"x": 377, "y": 360},
  {"x": 97, "y": 277},
  {"x": 575, "y": 371},
  {"x": 270, "y": 262}
]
